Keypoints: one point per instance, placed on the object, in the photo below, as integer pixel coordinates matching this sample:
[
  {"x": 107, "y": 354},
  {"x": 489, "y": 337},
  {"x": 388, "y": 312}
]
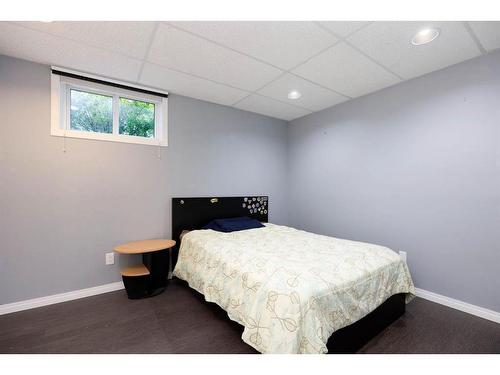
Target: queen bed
[{"x": 291, "y": 290}]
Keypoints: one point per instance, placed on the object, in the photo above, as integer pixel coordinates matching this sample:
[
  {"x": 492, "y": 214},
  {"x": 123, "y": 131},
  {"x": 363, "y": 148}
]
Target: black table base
[{"x": 157, "y": 262}]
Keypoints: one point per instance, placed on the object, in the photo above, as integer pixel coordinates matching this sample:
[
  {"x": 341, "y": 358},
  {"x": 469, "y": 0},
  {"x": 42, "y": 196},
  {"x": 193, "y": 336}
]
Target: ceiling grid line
[
  {"x": 289, "y": 71},
  {"x": 475, "y": 38},
  {"x": 368, "y": 23},
  {"x": 260, "y": 88},
  {"x": 329, "y": 62},
  {"x": 268, "y": 97},
  {"x": 373, "y": 60},
  {"x": 256, "y": 92},
  {"x": 250, "y": 93},
  {"x": 150, "y": 43},
  {"x": 320, "y": 85},
  {"x": 222, "y": 45},
  {"x": 283, "y": 71},
  {"x": 197, "y": 76},
  {"x": 144, "y": 60},
  {"x": 15, "y": 23},
  {"x": 344, "y": 39}
]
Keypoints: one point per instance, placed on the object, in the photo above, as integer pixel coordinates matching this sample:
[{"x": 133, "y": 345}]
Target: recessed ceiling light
[
  {"x": 424, "y": 36},
  {"x": 294, "y": 94}
]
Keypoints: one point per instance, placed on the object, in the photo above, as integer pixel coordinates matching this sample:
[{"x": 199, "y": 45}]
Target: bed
[{"x": 291, "y": 290}]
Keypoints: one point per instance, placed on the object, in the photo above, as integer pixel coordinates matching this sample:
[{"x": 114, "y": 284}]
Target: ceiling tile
[
  {"x": 184, "y": 84},
  {"x": 129, "y": 38},
  {"x": 313, "y": 96},
  {"x": 185, "y": 52},
  {"x": 488, "y": 33},
  {"x": 283, "y": 44},
  {"x": 200, "y": 59},
  {"x": 344, "y": 28},
  {"x": 33, "y": 45},
  {"x": 389, "y": 44},
  {"x": 346, "y": 71},
  {"x": 271, "y": 107}
]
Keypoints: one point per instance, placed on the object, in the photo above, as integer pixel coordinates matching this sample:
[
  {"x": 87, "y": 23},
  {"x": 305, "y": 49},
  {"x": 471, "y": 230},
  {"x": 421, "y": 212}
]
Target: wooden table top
[{"x": 146, "y": 246}]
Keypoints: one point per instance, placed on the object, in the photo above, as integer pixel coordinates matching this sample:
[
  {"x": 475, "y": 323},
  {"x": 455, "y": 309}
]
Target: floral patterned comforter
[{"x": 289, "y": 288}]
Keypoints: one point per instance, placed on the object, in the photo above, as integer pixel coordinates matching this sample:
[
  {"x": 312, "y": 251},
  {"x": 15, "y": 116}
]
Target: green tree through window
[
  {"x": 91, "y": 112},
  {"x": 137, "y": 118}
]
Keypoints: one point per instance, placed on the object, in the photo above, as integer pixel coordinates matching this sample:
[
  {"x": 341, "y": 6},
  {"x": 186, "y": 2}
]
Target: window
[
  {"x": 137, "y": 118},
  {"x": 91, "y": 112},
  {"x": 88, "y": 107}
]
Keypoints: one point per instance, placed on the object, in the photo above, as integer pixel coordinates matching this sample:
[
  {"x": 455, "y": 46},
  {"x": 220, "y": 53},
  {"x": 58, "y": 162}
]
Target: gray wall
[
  {"x": 414, "y": 167},
  {"x": 61, "y": 212}
]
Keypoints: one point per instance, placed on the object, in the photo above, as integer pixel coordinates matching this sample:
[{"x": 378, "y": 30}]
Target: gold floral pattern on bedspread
[{"x": 290, "y": 289}]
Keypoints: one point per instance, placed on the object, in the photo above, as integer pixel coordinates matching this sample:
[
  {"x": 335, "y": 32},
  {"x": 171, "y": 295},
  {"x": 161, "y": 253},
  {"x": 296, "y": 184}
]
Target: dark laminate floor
[{"x": 179, "y": 321}]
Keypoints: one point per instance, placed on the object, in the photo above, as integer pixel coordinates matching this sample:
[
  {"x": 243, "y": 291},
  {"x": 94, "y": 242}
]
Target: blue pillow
[
  {"x": 233, "y": 224},
  {"x": 213, "y": 225}
]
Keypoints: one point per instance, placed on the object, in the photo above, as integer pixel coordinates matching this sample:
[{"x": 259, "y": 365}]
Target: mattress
[{"x": 290, "y": 289}]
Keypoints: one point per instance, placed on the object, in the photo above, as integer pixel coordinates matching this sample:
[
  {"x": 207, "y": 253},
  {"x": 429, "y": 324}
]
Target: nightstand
[{"x": 151, "y": 277}]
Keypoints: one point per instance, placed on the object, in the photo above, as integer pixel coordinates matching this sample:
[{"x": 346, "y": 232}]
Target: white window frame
[{"x": 61, "y": 105}]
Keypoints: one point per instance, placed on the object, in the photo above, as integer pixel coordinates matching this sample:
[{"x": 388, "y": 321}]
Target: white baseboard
[
  {"x": 494, "y": 316},
  {"x": 76, "y": 294},
  {"x": 57, "y": 298}
]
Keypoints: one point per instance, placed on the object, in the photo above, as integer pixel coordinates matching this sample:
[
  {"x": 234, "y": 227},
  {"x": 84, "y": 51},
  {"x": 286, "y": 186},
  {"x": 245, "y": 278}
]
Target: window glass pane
[
  {"x": 91, "y": 112},
  {"x": 137, "y": 118}
]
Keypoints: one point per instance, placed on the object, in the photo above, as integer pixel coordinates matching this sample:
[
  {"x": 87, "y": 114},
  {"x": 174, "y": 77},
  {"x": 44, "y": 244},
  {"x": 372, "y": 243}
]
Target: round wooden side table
[{"x": 151, "y": 277}]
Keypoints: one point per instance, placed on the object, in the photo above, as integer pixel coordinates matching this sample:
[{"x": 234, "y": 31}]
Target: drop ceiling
[{"x": 252, "y": 65}]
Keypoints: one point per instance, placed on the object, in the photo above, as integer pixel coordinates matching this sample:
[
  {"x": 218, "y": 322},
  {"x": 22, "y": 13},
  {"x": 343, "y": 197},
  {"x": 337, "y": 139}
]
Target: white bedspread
[{"x": 290, "y": 289}]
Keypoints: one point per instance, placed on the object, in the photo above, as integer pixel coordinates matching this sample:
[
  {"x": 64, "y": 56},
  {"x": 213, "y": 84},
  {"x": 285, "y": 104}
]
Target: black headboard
[{"x": 194, "y": 213}]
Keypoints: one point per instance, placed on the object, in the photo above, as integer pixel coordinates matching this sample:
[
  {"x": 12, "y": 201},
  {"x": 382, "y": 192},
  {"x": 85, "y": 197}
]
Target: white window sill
[{"x": 107, "y": 137}]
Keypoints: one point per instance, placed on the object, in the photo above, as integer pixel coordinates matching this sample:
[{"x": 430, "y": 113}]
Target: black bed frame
[{"x": 194, "y": 213}]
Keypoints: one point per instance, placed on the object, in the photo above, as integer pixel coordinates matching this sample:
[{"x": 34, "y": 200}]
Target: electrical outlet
[
  {"x": 402, "y": 254},
  {"x": 110, "y": 258}
]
